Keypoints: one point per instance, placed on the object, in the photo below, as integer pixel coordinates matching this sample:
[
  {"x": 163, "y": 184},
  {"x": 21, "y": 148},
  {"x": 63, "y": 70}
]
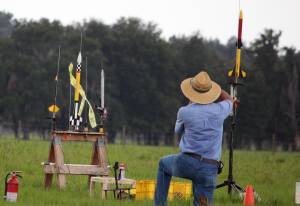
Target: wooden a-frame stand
[{"x": 56, "y": 165}]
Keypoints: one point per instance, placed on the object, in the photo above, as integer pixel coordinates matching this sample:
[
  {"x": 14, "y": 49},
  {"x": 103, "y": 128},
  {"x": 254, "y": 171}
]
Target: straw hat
[{"x": 200, "y": 89}]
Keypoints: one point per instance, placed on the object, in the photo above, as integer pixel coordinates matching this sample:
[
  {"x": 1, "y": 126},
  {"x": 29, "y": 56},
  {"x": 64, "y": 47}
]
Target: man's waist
[{"x": 201, "y": 158}]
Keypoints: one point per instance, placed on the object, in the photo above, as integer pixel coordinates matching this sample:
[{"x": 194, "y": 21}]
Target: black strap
[{"x": 199, "y": 157}]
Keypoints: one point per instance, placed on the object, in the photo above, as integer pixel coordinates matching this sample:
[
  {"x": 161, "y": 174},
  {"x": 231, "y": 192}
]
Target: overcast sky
[{"x": 213, "y": 18}]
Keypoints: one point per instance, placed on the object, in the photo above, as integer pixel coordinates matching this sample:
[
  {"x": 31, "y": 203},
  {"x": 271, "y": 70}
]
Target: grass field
[{"x": 273, "y": 175}]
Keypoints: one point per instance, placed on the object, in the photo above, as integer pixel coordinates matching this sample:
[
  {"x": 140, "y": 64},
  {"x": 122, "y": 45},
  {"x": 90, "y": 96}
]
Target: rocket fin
[
  {"x": 244, "y": 74},
  {"x": 230, "y": 72}
]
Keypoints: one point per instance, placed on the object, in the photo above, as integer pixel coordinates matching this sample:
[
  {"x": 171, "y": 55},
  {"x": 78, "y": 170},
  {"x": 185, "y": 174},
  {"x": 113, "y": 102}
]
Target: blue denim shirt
[{"x": 201, "y": 128}]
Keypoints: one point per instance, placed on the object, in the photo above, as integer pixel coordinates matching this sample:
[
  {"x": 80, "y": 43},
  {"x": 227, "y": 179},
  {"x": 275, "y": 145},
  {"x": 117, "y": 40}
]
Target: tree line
[{"x": 143, "y": 74}]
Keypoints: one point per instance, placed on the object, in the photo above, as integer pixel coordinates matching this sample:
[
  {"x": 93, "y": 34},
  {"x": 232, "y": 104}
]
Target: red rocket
[{"x": 237, "y": 72}]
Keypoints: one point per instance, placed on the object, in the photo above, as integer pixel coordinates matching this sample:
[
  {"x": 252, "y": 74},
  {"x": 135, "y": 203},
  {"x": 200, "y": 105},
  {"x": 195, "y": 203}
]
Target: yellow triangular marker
[{"x": 53, "y": 108}]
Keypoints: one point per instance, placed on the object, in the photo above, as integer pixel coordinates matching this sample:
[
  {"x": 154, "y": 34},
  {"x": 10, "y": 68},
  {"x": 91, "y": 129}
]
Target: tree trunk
[
  {"x": 148, "y": 138},
  {"x": 138, "y": 139},
  {"x": 123, "y": 135},
  {"x": 155, "y": 138},
  {"x": 16, "y": 126},
  {"x": 297, "y": 141},
  {"x": 274, "y": 145},
  {"x": 175, "y": 140},
  {"x": 25, "y": 131}
]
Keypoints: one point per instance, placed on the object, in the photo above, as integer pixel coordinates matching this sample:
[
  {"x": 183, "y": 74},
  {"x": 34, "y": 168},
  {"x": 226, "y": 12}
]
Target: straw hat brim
[{"x": 200, "y": 97}]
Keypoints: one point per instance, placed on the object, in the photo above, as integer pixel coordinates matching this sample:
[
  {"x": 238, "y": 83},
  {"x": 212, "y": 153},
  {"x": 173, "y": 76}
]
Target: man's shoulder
[
  {"x": 225, "y": 107},
  {"x": 185, "y": 109},
  {"x": 225, "y": 104},
  {"x": 188, "y": 107}
]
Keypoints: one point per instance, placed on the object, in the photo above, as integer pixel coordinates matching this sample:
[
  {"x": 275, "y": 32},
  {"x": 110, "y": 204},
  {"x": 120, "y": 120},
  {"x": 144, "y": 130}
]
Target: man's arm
[
  {"x": 226, "y": 103},
  {"x": 179, "y": 126},
  {"x": 225, "y": 96}
]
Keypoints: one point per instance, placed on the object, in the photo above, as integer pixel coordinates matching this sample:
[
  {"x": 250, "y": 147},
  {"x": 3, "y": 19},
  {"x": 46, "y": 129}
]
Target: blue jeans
[{"x": 202, "y": 174}]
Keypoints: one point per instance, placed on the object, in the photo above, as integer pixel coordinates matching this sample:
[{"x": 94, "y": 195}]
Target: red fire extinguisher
[{"x": 12, "y": 186}]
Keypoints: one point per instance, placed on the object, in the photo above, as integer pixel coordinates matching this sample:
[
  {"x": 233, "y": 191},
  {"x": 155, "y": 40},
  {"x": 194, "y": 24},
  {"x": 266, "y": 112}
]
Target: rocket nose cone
[{"x": 79, "y": 58}]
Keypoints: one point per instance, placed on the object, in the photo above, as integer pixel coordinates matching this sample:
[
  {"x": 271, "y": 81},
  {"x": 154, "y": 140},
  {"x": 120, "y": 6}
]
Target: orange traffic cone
[{"x": 249, "y": 196}]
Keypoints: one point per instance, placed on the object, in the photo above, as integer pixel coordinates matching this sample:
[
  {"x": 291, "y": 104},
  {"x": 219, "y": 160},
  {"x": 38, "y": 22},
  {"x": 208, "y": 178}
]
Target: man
[{"x": 200, "y": 125}]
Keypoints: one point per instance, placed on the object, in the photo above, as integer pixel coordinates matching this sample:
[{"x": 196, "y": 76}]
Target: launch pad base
[{"x": 56, "y": 165}]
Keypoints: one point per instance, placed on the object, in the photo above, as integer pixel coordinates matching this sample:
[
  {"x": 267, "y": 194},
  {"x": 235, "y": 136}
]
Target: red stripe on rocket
[{"x": 237, "y": 72}]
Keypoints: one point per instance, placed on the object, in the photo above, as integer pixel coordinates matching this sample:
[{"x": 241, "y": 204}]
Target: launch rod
[
  {"x": 56, "y": 79},
  {"x": 78, "y": 70},
  {"x": 102, "y": 89},
  {"x": 86, "y": 88},
  {"x": 55, "y": 92}
]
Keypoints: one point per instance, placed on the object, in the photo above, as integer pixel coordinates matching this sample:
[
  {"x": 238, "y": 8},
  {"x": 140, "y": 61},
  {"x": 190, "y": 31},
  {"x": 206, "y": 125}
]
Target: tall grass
[{"x": 273, "y": 175}]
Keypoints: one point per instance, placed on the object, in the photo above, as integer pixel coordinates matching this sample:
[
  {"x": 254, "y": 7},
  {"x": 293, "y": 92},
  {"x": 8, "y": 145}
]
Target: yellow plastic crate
[
  {"x": 178, "y": 190},
  {"x": 145, "y": 189}
]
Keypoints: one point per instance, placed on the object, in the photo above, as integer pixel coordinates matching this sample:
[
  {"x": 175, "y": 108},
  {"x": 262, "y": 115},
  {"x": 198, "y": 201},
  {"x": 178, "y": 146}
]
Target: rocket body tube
[
  {"x": 239, "y": 46},
  {"x": 240, "y": 30},
  {"x": 76, "y": 119},
  {"x": 76, "y": 96}
]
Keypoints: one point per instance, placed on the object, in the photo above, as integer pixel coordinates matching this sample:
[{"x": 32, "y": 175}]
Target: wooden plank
[
  {"x": 75, "y": 169},
  {"x": 95, "y": 160},
  {"x": 48, "y": 177},
  {"x": 297, "y": 195},
  {"x": 75, "y": 133},
  {"x": 59, "y": 160},
  {"x": 111, "y": 180},
  {"x": 102, "y": 155},
  {"x": 76, "y": 136}
]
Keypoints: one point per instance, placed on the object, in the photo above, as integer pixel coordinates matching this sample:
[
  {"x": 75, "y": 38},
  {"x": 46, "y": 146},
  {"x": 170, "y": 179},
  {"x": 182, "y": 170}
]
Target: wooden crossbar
[
  {"x": 76, "y": 136},
  {"x": 75, "y": 169}
]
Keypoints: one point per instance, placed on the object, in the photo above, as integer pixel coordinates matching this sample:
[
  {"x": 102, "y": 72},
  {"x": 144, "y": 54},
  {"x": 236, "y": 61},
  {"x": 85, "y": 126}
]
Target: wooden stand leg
[
  {"x": 48, "y": 177},
  {"x": 102, "y": 153},
  {"x": 92, "y": 188},
  {"x": 104, "y": 190},
  {"x": 99, "y": 155},
  {"x": 59, "y": 161}
]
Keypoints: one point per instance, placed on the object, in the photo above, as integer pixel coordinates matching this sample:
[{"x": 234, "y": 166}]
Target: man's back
[{"x": 201, "y": 128}]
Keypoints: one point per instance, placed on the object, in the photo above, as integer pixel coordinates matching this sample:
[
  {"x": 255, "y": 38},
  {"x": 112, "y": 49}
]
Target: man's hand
[
  {"x": 225, "y": 96},
  {"x": 236, "y": 103}
]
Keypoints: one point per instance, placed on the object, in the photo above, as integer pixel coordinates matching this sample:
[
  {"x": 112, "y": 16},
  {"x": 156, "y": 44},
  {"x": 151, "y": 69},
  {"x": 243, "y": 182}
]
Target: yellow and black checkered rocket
[{"x": 76, "y": 119}]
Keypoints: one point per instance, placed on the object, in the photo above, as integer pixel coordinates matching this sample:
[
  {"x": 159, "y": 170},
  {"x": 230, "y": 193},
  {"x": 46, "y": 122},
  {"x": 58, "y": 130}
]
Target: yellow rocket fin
[
  {"x": 244, "y": 74},
  {"x": 230, "y": 72}
]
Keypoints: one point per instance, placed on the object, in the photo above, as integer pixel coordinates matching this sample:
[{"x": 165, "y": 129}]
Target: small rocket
[
  {"x": 237, "y": 72},
  {"x": 101, "y": 108},
  {"x": 76, "y": 120}
]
